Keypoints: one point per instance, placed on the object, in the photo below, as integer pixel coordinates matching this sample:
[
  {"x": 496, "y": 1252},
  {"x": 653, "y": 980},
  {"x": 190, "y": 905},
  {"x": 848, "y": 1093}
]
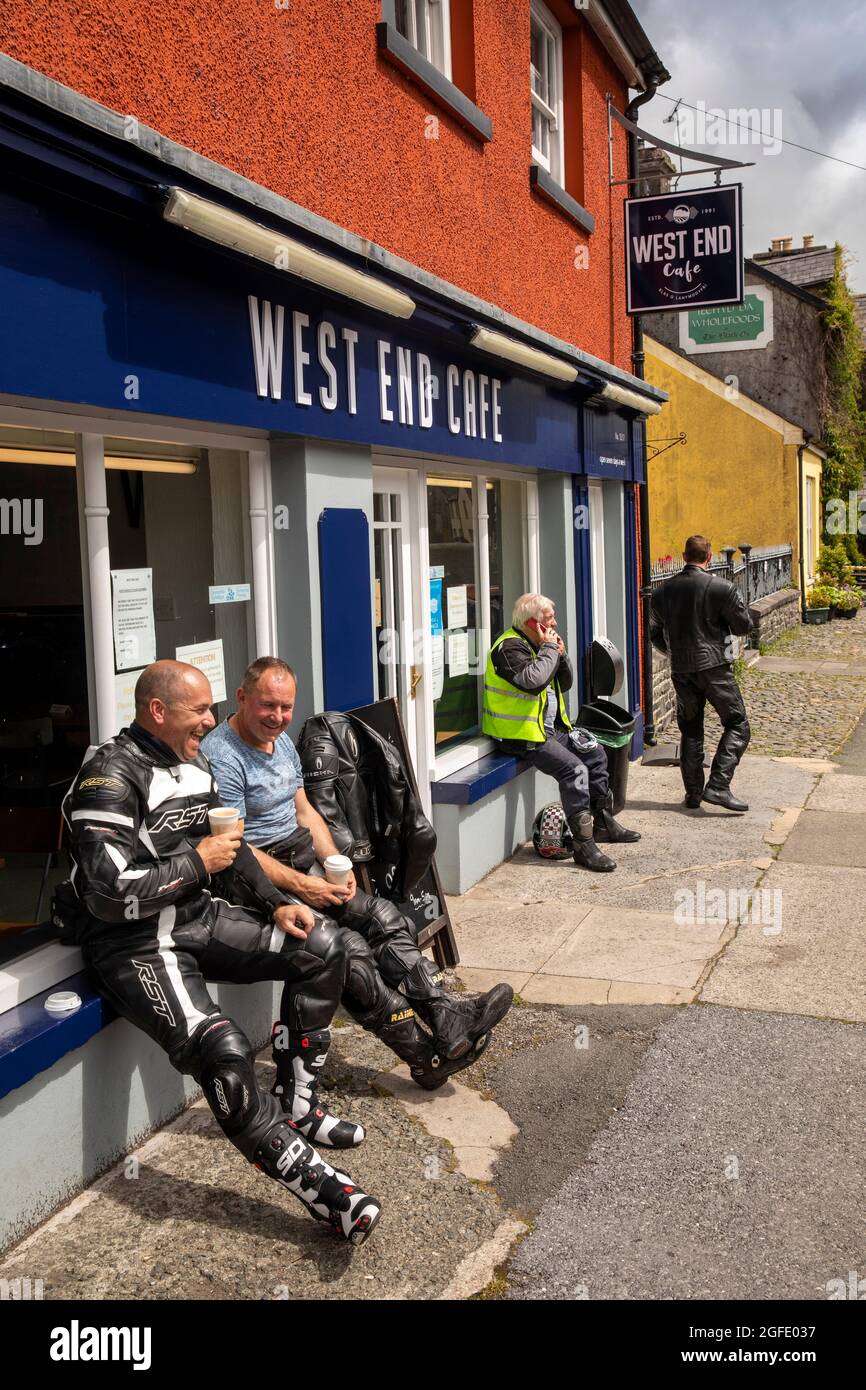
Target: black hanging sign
[{"x": 684, "y": 250}]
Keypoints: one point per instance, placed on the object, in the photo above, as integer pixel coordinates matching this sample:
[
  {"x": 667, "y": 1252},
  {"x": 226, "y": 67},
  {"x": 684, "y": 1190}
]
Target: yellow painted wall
[{"x": 735, "y": 480}]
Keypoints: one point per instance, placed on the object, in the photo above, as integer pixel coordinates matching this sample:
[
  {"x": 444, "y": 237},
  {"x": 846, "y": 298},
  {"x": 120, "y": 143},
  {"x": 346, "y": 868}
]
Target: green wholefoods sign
[{"x": 735, "y": 326}]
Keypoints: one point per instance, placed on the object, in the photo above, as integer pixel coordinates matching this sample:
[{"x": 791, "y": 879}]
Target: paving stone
[
  {"x": 826, "y": 837},
  {"x": 839, "y": 792},
  {"x": 817, "y": 964}
]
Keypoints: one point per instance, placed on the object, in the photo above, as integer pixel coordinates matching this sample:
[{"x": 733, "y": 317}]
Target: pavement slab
[
  {"x": 642, "y": 947},
  {"x": 826, "y": 837},
  {"x": 695, "y": 1190},
  {"x": 817, "y": 963},
  {"x": 842, "y": 792}
]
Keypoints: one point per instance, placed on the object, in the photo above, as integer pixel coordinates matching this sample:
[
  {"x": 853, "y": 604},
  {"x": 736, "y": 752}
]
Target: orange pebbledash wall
[{"x": 296, "y": 97}]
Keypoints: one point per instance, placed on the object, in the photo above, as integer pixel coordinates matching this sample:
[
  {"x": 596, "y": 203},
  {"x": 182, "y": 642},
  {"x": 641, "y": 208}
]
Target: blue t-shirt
[{"x": 261, "y": 786}]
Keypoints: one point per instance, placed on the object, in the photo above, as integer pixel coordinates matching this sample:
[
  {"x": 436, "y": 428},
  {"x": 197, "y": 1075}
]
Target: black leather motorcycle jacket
[
  {"x": 693, "y": 616},
  {"x": 357, "y": 783},
  {"x": 134, "y": 815}
]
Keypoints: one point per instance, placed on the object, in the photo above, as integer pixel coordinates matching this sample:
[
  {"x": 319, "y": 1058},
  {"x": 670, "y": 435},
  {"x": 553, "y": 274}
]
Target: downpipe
[{"x": 637, "y": 358}]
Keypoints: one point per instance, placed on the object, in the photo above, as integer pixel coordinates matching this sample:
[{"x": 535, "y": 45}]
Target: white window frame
[
  {"x": 552, "y": 113},
  {"x": 810, "y": 490},
  {"x": 44, "y": 966},
  {"x": 429, "y": 23},
  {"x": 471, "y": 749}
]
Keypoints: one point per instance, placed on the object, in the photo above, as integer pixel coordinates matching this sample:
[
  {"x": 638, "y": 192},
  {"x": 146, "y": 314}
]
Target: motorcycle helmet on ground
[{"x": 550, "y": 833}]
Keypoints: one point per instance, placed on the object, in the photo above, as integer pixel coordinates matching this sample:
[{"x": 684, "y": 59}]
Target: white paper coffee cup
[
  {"x": 337, "y": 869},
  {"x": 222, "y": 819}
]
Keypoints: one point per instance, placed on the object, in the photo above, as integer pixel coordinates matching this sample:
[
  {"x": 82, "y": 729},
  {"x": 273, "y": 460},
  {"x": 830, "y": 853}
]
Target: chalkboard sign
[{"x": 426, "y": 904}]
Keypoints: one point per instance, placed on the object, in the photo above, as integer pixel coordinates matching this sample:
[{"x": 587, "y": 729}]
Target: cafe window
[
  {"x": 180, "y": 558},
  {"x": 480, "y": 542}
]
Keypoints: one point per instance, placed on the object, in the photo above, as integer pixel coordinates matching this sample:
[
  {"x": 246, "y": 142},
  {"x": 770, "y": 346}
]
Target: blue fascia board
[{"x": 32, "y": 1040}]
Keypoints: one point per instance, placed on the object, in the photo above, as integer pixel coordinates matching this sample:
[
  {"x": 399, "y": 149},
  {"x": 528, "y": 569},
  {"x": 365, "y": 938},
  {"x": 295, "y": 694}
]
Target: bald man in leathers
[{"x": 141, "y": 906}]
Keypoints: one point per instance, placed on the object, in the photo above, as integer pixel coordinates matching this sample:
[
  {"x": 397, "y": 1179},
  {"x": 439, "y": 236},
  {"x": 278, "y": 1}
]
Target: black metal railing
[{"x": 762, "y": 570}]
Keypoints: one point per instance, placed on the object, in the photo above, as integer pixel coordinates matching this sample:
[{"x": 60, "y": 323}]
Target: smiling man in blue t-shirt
[{"x": 259, "y": 773}]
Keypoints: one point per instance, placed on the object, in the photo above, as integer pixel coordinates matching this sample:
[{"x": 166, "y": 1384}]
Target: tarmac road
[{"x": 734, "y": 1170}]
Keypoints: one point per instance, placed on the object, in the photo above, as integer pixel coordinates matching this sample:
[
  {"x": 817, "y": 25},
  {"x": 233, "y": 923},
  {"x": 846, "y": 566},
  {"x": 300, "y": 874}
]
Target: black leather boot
[
  {"x": 428, "y": 1068},
  {"x": 586, "y": 853},
  {"x": 692, "y": 769},
  {"x": 608, "y": 830},
  {"x": 723, "y": 796},
  {"x": 456, "y": 1021}
]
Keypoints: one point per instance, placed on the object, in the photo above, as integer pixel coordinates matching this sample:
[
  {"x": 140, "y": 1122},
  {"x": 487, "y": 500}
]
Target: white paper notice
[
  {"x": 458, "y": 653},
  {"x": 458, "y": 615},
  {"x": 437, "y": 668},
  {"x": 208, "y": 657},
  {"x": 124, "y": 698},
  {"x": 134, "y": 637}
]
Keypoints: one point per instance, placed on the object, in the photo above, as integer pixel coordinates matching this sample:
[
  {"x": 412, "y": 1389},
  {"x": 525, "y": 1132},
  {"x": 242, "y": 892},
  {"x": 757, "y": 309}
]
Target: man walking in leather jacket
[
  {"x": 695, "y": 615},
  {"x": 388, "y": 981},
  {"x": 144, "y": 903}
]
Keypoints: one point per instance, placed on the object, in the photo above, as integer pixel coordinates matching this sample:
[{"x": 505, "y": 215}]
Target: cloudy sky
[{"x": 803, "y": 64}]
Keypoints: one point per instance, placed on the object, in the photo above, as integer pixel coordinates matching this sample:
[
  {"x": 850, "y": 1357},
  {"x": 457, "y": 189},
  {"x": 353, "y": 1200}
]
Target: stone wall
[
  {"x": 774, "y": 615},
  {"x": 771, "y": 615}
]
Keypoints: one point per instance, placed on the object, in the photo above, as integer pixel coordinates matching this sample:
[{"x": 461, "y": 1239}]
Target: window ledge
[
  {"x": 547, "y": 188},
  {"x": 479, "y": 779},
  {"x": 415, "y": 66},
  {"x": 32, "y": 1040}
]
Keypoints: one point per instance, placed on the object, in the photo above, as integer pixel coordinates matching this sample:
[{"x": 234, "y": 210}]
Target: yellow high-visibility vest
[{"x": 508, "y": 712}]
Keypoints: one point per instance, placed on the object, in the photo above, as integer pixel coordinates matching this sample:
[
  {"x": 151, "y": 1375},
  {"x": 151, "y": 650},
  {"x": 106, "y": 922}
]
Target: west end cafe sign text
[{"x": 408, "y": 391}]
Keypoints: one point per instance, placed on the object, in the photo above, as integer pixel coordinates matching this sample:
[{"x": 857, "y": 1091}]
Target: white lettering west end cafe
[
  {"x": 689, "y": 247},
  {"x": 409, "y": 387}
]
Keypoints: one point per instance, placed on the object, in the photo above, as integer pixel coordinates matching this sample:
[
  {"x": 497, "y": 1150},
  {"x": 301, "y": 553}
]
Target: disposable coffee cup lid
[
  {"x": 65, "y": 1001},
  {"x": 338, "y": 861}
]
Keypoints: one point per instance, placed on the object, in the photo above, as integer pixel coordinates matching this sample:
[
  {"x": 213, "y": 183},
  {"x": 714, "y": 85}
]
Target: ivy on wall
[{"x": 844, "y": 429}]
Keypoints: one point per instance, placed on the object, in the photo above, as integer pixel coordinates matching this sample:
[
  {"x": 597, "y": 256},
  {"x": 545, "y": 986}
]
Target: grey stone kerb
[{"x": 18, "y": 77}]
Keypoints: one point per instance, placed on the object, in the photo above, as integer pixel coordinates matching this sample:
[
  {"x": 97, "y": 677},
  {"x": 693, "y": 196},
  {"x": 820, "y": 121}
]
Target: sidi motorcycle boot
[
  {"x": 299, "y": 1059},
  {"x": 457, "y": 1022},
  {"x": 586, "y": 853},
  {"x": 605, "y": 828}
]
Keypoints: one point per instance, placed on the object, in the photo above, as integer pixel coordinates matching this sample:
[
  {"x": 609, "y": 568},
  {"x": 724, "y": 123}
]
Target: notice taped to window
[
  {"x": 208, "y": 657},
  {"x": 132, "y": 613}
]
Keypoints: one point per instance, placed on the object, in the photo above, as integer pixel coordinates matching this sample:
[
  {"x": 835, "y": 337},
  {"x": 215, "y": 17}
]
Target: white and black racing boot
[
  {"x": 328, "y": 1194},
  {"x": 458, "y": 1022},
  {"x": 299, "y": 1059}
]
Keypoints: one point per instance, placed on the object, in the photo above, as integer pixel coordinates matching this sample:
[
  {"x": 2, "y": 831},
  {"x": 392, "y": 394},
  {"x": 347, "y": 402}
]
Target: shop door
[{"x": 398, "y": 665}]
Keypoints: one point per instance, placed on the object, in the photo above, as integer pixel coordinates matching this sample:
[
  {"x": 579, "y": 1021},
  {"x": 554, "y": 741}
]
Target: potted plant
[
  {"x": 846, "y": 602},
  {"x": 818, "y": 603}
]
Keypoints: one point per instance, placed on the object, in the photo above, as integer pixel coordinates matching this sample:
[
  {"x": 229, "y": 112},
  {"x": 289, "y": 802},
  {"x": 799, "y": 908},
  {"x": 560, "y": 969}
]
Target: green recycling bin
[{"x": 614, "y": 728}]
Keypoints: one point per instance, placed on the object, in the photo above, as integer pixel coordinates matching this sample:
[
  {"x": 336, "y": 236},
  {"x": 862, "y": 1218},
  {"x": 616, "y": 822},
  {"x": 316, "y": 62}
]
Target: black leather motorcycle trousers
[{"x": 718, "y": 686}]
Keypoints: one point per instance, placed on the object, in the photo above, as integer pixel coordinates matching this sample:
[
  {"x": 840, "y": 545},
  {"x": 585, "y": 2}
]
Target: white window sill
[
  {"x": 461, "y": 756},
  {"x": 39, "y": 969}
]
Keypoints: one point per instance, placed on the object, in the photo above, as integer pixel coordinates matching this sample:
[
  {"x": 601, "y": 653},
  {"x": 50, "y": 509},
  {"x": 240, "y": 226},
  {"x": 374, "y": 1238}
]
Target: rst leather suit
[{"x": 693, "y": 617}]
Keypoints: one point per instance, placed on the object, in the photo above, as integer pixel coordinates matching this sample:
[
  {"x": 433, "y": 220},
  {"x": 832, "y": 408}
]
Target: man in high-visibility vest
[{"x": 527, "y": 672}]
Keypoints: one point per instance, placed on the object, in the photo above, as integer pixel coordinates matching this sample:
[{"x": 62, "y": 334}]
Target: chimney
[
  {"x": 808, "y": 238},
  {"x": 779, "y": 243},
  {"x": 787, "y": 243}
]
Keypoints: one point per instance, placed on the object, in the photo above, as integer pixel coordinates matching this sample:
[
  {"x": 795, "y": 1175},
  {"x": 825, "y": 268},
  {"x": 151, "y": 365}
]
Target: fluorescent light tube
[
  {"x": 59, "y": 458},
  {"x": 280, "y": 252},
  {"x": 622, "y": 396},
  {"x": 499, "y": 345}
]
